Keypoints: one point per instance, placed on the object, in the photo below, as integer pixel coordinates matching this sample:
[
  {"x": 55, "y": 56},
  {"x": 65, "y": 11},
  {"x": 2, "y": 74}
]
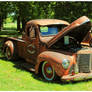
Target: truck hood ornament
[{"x": 77, "y": 29}]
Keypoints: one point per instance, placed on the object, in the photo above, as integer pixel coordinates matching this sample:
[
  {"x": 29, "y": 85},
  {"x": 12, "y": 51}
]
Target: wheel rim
[
  {"x": 48, "y": 71},
  {"x": 8, "y": 53}
]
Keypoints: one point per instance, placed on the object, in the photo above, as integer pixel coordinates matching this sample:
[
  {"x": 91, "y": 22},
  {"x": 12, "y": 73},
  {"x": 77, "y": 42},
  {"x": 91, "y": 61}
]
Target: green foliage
[
  {"x": 9, "y": 20},
  {"x": 60, "y": 10},
  {"x": 25, "y": 11},
  {"x": 4, "y": 9}
]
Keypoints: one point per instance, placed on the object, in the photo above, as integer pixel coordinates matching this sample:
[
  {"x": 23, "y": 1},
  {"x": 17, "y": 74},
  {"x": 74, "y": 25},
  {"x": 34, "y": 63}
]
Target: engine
[{"x": 68, "y": 44}]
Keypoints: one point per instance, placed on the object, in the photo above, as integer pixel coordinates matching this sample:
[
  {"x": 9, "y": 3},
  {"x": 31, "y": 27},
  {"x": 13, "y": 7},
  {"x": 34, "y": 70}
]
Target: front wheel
[{"x": 48, "y": 71}]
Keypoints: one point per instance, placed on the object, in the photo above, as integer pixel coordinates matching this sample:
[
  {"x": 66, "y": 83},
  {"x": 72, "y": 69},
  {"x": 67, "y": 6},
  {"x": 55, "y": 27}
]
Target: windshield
[{"x": 46, "y": 31}]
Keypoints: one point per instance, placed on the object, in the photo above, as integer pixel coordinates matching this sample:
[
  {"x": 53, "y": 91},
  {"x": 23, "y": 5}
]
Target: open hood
[{"x": 77, "y": 29}]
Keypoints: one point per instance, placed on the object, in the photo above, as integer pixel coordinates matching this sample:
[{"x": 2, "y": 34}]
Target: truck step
[{"x": 29, "y": 67}]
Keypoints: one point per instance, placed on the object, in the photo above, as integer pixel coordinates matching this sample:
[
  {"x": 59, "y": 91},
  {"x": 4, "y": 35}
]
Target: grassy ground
[
  {"x": 9, "y": 30},
  {"x": 14, "y": 78},
  {"x": 9, "y": 26},
  {"x": 8, "y": 33}
]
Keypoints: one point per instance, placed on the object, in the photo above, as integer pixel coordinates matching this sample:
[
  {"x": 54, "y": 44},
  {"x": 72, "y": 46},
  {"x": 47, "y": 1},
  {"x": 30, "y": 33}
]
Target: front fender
[{"x": 55, "y": 59}]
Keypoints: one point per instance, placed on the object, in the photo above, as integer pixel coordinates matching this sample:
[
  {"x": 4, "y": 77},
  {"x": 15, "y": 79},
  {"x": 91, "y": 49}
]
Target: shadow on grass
[
  {"x": 18, "y": 65},
  {"x": 58, "y": 81}
]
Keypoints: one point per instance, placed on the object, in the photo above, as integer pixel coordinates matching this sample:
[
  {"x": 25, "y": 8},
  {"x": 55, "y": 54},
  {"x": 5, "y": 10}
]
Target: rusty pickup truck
[{"x": 53, "y": 48}]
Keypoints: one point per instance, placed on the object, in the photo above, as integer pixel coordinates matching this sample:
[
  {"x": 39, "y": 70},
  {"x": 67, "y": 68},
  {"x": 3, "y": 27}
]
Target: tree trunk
[
  {"x": 18, "y": 24},
  {"x": 23, "y": 24},
  {"x": 1, "y": 24}
]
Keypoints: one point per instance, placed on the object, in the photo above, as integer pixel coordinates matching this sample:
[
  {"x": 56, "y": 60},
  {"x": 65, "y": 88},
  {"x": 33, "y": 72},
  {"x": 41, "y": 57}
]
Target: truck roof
[{"x": 43, "y": 22}]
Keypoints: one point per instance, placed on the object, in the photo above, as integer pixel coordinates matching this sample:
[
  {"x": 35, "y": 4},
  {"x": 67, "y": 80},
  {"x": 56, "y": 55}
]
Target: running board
[{"x": 29, "y": 67}]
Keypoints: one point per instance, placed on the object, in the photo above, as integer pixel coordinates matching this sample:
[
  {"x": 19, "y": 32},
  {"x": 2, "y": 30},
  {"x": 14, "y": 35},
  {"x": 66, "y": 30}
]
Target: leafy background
[{"x": 21, "y": 12}]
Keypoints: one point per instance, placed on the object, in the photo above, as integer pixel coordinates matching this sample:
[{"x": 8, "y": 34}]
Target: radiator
[{"x": 84, "y": 62}]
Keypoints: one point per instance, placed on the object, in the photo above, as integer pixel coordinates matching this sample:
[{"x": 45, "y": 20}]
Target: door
[{"x": 32, "y": 46}]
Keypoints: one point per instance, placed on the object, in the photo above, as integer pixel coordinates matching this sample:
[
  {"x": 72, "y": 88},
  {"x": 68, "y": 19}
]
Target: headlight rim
[{"x": 66, "y": 62}]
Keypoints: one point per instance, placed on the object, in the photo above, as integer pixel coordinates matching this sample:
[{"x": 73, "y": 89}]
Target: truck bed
[{"x": 11, "y": 38}]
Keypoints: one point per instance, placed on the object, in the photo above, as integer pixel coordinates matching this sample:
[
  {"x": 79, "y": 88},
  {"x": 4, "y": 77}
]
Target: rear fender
[{"x": 9, "y": 44}]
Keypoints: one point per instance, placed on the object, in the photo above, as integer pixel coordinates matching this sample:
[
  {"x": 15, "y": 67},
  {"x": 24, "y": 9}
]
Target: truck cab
[{"x": 37, "y": 34}]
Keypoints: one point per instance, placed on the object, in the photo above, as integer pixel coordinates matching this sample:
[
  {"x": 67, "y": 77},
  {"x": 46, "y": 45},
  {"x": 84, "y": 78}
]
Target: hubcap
[{"x": 48, "y": 71}]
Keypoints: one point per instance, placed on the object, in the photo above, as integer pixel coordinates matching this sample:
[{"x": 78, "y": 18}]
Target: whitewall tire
[{"x": 48, "y": 71}]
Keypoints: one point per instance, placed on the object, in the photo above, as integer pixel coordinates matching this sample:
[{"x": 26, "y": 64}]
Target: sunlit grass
[
  {"x": 9, "y": 30},
  {"x": 9, "y": 26},
  {"x": 13, "y": 77}
]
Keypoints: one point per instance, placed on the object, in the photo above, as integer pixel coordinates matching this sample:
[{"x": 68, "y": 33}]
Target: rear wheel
[
  {"x": 8, "y": 53},
  {"x": 48, "y": 71}
]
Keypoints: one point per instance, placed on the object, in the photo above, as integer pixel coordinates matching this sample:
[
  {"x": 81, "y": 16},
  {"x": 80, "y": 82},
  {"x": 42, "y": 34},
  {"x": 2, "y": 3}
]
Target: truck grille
[{"x": 84, "y": 62}]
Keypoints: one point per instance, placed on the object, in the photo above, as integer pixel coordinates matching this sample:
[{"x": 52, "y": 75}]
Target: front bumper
[{"x": 77, "y": 77}]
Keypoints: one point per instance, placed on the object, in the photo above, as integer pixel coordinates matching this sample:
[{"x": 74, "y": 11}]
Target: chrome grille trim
[{"x": 84, "y": 62}]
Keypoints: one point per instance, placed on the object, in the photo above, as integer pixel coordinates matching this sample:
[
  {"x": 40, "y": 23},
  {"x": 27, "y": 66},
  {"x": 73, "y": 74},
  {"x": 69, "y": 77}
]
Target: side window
[{"x": 31, "y": 32}]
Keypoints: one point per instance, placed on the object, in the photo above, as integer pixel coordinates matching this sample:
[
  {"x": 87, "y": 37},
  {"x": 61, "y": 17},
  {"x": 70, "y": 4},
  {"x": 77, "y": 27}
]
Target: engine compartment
[{"x": 67, "y": 43}]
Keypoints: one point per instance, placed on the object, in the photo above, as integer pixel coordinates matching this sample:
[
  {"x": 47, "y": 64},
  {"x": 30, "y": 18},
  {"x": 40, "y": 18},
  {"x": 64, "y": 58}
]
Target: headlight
[{"x": 65, "y": 63}]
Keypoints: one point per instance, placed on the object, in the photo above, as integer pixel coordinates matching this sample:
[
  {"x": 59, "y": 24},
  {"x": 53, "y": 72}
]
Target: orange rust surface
[
  {"x": 43, "y": 22},
  {"x": 88, "y": 39},
  {"x": 77, "y": 77},
  {"x": 10, "y": 44},
  {"x": 55, "y": 60}
]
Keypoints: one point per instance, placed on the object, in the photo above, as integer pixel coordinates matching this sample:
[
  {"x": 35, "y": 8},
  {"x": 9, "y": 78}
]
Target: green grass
[
  {"x": 8, "y": 33},
  {"x": 13, "y": 77},
  {"x": 10, "y": 26},
  {"x": 10, "y": 30}
]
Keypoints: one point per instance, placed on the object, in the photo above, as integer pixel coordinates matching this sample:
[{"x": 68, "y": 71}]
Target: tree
[
  {"x": 4, "y": 10},
  {"x": 25, "y": 11}
]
